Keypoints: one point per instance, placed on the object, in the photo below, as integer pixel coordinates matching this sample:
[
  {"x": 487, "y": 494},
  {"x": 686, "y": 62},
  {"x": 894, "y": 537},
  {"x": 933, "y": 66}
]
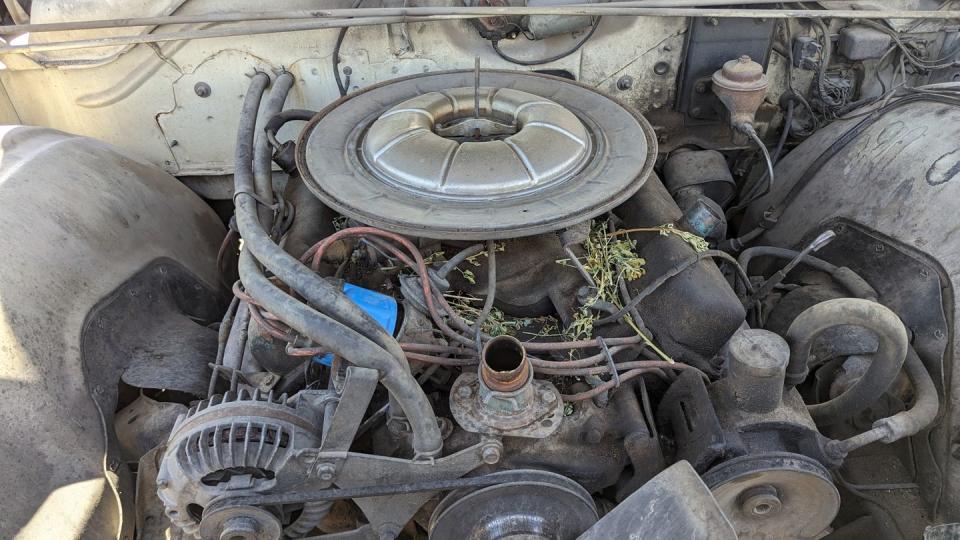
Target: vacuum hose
[
  {"x": 885, "y": 364},
  {"x": 892, "y": 353},
  {"x": 331, "y": 319},
  {"x": 926, "y": 405}
]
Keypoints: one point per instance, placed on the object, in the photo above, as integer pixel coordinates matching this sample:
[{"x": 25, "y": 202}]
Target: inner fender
[
  {"x": 77, "y": 220},
  {"x": 888, "y": 184}
]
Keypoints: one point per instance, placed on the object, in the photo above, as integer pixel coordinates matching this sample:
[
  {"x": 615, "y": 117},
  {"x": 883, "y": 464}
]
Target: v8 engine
[
  {"x": 691, "y": 275},
  {"x": 550, "y": 328}
]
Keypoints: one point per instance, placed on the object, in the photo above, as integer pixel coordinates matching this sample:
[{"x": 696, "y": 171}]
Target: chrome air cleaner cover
[
  {"x": 432, "y": 156},
  {"x": 542, "y": 143}
]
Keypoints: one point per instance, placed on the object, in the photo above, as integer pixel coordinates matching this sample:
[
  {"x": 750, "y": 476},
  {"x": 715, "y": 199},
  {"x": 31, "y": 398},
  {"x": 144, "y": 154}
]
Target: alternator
[{"x": 232, "y": 443}]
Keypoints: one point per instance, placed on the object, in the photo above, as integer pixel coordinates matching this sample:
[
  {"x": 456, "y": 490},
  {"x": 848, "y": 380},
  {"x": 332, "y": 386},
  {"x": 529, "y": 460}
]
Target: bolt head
[
  {"x": 625, "y": 83},
  {"x": 761, "y": 502},
  {"x": 325, "y": 471},
  {"x": 547, "y": 396},
  {"x": 464, "y": 392},
  {"x": 490, "y": 454},
  {"x": 202, "y": 89}
]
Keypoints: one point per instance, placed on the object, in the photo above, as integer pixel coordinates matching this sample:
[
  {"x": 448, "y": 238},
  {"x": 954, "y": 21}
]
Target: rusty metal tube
[{"x": 504, "y": 366}]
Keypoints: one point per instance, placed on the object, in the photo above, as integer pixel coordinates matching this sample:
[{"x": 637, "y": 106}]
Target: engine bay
[
  {"x": 503, "y": 258},
  {"x": 498, "y": 302}
]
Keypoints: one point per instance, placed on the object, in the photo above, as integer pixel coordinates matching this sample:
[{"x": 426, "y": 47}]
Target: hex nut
[
  {"x": 464, "y": 392},
  {"x": 490, "y": 454},
  {"x": 325, "y": 471}
]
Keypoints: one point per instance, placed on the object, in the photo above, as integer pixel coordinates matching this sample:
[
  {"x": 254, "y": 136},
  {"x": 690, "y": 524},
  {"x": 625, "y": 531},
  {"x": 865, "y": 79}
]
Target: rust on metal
[{"x": 504, "y": 366}]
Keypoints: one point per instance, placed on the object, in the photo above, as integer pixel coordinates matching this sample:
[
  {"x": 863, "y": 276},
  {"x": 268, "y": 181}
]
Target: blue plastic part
[
  {"x": 703, "y": 219},
  {"x": 380, "y": 307}
]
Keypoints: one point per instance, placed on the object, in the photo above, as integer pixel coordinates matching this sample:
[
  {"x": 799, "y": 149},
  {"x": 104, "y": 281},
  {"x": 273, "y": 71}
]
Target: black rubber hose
[
  {"x": 885, "y": 364},
  {"x": 457, "y": 259},
  {"x": 316, "y": 290},
  {"x": 343, "y": 86},
  {"x": 355, "y": 348},
  {"x": 767, "y": 159},
  {"x": 280, "y": 118},
  {"x": 239, "y": 334},
  {"x": 736, "y": 244},
  {"x": 754, "y": 191},
  {"x": 262, "y": 155},
  {"x": 904, "y": 424},
  {"x": 342, "y": 330},
  {"x": 749, "y": 254},
  {"x": 491, "y": 294},
  {"x": 787, "y": 122},
  {"x": 849, "y": 279},
  {"x": 926, "y": 403}
]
